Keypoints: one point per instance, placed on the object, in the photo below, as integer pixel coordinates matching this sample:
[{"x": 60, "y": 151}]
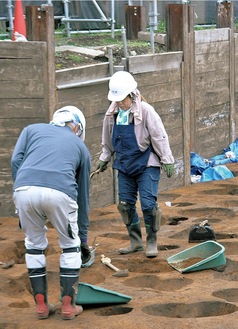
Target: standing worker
[
  {"x": 51, "y": 169},
  {"x": 135, "y": 133}
]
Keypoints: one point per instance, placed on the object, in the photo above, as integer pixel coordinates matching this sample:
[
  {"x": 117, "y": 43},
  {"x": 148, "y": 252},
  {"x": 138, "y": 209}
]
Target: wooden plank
[
  {"x": 21, "y": 69},
  {"x": 206, "y": 59},
  {"x": 152, "y": 63},
  {"x": 24, "y": 89},
  {"x": 215, "y": 47},
  {"x": 211, "y": 66},
  {"x": 212, "y": 35},
  {"x": 162, "y": 92},
  {"x": 214, "y": 141},
  {"x": 28, "y": 108},
  {"x": 174, "y": 26},
  {"x": 40, "y": 27},
  {"x": 212, "y": 115},
  {"x": 172, "y": 106},
  {"x": 232, "y": 135},
  {"x": 205, "y": 99},
  {"x": 153, "y": 78},
  {"x": 210, "y": 76},
  {"x": 22, "y": 49},
  {"x": 83, "y": 73},
  {"x": 186, "y": 72},
  {"x": 192, "y": 79},
  {"x": 213, "y": 86}
]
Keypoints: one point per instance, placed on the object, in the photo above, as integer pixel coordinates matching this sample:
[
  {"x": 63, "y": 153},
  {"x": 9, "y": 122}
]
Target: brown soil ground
[{"x": 161, "y": 296}]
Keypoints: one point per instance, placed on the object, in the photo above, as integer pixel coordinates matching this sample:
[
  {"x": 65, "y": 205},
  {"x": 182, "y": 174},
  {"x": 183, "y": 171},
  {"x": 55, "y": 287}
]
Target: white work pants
[{"x": 36, "y": 204}]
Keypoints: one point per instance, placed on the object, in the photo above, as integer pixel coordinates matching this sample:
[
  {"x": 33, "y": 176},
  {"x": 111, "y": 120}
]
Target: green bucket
[
  {"x": 89, "y": 294},
  {"x": 209, "y": 254}
]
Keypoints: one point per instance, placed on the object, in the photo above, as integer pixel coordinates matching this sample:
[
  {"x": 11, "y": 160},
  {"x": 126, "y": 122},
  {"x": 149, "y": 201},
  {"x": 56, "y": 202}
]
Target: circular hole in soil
[
  {"x": 208, "y": 212},
  {"x": 167, "y": 247},
  {"x": 117, "y": 236},
  {"x": 140, "y": 265},
  {"x": 222, "y": 236},
  {"x": 175, "y": 220},
  {"x": 231, "y": 247},
  {"x": 154, "y": 282},
  {"x": 21, "y": 304},
  {"x": 106, "y": 224},
  {"x": 181, "y": 235},
  {"x": 210, "y": 220},
  {"x": 230, "y": 273},
  {"x": 230, "y": 295},
  {"x": 181, "y": 204},
  {"x": 168, "y": 196},
  {"x": 19, "y": 251},
  {"x": 114, "y": 310},
  {"x": 194, "y": 310}
]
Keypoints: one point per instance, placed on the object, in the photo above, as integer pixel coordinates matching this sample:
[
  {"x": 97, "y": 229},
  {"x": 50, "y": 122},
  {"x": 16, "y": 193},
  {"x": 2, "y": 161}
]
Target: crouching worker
[{"x": 51, "y": 169}]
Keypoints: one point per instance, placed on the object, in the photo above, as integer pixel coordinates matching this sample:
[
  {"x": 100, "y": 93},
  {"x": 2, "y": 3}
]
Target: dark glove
[
  {"x": 85, "y": 252},
  {"x": 168, "y": 168},
  {"x": 102, "y": 165}
]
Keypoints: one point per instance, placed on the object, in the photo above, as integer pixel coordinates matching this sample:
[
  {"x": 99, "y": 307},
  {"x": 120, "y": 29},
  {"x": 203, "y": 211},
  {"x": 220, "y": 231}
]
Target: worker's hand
[
  {"x": 102, "y": 165},
  {"x": 85, "y": 252},
  {"x": 168, "y": 168}
]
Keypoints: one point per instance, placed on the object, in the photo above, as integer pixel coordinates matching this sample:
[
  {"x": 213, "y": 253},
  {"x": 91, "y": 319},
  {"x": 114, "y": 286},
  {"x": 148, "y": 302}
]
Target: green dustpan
[
  {"x": 209, "y": 254},
  {"x": 89, "y": 294}
]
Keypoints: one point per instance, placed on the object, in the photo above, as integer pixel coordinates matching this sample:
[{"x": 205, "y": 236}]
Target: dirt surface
[
  {"x": 68, "y": 59},
  {"x": 160, "y": 296}
]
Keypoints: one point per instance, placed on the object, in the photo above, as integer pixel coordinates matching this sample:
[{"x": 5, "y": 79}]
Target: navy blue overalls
[{"x": 133, "y": 175}]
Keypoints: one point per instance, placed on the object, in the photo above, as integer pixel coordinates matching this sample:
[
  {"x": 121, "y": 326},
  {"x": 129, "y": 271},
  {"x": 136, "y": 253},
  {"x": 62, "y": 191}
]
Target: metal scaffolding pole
[
  {"x": 9, "y": 7},
  {"x": 66, "y": 19}
]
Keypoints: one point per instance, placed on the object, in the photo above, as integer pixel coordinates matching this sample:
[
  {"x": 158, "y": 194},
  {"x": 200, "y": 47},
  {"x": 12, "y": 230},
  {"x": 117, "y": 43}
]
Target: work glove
[
  {"x": 102, "y": 165},
  {"x": 85, "y": 252},
  {"x": 168, "y": 168}
]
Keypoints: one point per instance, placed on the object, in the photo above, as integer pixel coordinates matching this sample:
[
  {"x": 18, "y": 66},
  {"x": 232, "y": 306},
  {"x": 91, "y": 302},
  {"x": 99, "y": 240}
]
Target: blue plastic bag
[
  {"x": 216, "y": 173},
  {"x": 198, "y": 165}
]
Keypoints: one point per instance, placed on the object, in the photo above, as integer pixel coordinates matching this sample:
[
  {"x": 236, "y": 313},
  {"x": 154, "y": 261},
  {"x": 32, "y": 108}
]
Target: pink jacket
[{"x": 149, "y": 130}]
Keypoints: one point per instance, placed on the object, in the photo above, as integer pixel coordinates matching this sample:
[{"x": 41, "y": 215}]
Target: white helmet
[
  {"x": 121, "y": 84},
  {"x": 70, "y": 114}
]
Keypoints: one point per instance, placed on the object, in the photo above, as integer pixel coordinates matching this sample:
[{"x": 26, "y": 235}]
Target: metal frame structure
[{"x": 66, "y": 19}]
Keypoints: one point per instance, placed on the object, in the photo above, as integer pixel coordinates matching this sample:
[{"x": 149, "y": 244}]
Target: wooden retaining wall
[
  {"x": 161, "y": 80},
  {"x": 23, "y": 100},
  {"x": 212, "y": 91}
]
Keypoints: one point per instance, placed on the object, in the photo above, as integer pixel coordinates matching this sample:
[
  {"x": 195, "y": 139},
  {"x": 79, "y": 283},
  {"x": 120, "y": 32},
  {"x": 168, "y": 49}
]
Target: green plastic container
[
  {"x": 209, "y": 254},
  {"x": 89, "y": 294}
]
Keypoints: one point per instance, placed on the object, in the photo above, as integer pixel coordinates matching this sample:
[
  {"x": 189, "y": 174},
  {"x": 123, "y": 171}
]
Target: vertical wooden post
[
  {"x": 40, "y": 27},
  {"x": 135, "y": 21},
  {"x": 225, "y": 18},
  {"x": 180, "y": 36},
  {"x": 174, "y": 26}
]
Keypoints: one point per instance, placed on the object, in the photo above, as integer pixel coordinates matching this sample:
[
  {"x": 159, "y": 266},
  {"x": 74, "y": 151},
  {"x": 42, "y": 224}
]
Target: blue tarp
[
  {"x": 214, "y": 168},
  {"x": 216, "y": 173}
]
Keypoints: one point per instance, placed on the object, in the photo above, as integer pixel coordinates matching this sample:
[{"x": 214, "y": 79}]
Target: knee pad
[
  {"x": 126, "y": 210},
  {"x": 155, "y": 215}
]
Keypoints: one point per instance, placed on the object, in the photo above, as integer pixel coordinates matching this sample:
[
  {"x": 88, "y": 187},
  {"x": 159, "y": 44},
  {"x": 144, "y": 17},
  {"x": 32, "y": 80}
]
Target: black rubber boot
[
  {"x": 136, "y": 244},
  {"x": 38, "y": 281},
  {"x": 69, "y": 279},
  {"x": 151, "y": 242}
]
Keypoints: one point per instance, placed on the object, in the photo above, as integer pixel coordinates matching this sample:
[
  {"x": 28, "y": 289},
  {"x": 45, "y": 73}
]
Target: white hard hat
[
  {"x": 70, "y": 114},
  {"x": 121, "y": 85}
]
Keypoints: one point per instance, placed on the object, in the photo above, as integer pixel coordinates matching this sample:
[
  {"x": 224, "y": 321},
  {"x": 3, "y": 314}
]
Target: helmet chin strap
[
  {"x": 77, "y": 128},
  {"x": 80, "y": 129}
]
